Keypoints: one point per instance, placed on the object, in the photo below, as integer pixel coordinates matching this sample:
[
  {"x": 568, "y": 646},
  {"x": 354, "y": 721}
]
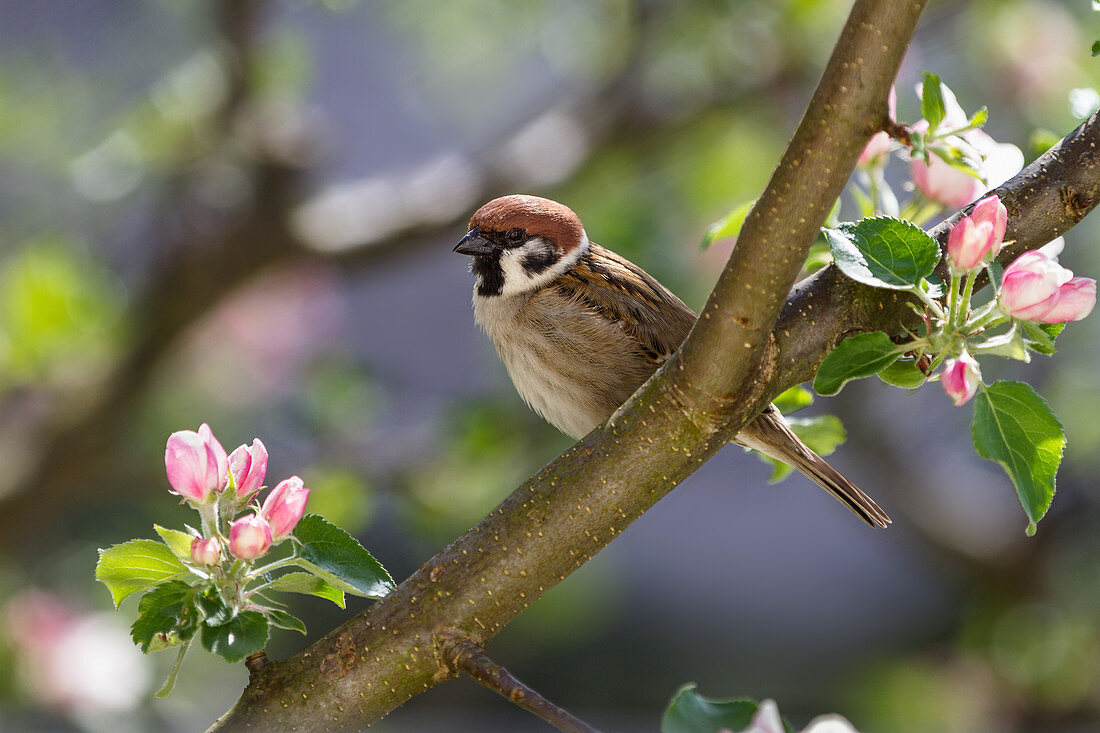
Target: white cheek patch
[{"x": 520, "y": 279}]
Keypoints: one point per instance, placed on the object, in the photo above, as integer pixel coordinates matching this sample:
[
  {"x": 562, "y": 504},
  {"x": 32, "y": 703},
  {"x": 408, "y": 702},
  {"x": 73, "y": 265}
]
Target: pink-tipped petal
[
  {"x": 257, "y": 471},
  {"x": 205, "y": 551},
  {"x": 945, "y": 184},
  {"x": 876, "y": 150},
  {"x": 285, "y": 506},
  {"x": 990, "y": 209},
  {"x": 185, "y": 462},
  {"x": 1075, "y": 300},
  {"x": 221, "y": 459},
  {"x": 968, "y": 242},
  {"x": 960, "y": 379},
  {"x": 240, "y": 461},
  {"x": 1029, "y": 289},
  {"x": 250, "y": 537}
]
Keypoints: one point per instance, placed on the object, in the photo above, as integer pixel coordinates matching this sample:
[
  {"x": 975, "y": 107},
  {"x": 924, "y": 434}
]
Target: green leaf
[
  {"x": 233, "y": 641},
  {"x": 166, "y": 617},
  {"x": 903, "y": 373},
  {"x": 1010, "y": 345},
  {"x": 336, "y": 556},
  {"x": 1037, "y": 337},
  {"x": 284, "y": 620},
  {"x": 958, "y": 159},
  {"x": 1042, "y": 140},
  {"x": 996, "y": 274},
  {"x": 214, "y": 610},
  {"x": 823, "y": 433},
  {"x": 690, "y": 712},
  {"x": 780, "y": 470},
  {"x": 135, "y": 566},
  {"x": 308, "y": 584},
  {"x": 1095, "y": 46},
  {"x": 856, "y": 357},
  {"x": 931, "y": 100},
  {"x": 884, "y": 252},
  {"x": 178, "y": 542},
  {"x": 979, "y": 118},
  {"x": 1052, "y": 329},
  {"x": 794, "y": 399},
  {"x": 1014, "y": 427},
  {"x": 729, "y": 226}
]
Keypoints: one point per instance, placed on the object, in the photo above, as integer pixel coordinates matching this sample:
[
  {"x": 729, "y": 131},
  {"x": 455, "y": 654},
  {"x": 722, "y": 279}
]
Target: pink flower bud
[
  {"x": 284, "y": 506},
  {"x": 1036, "y": 288},
  {"x": 961, "y": 378},
  {"x": 990, "y": 209},
  {"x": 249, "y": 466},
  {"x": 205, "y": 552},
  {"x": 250, "y": 537},
  {"x": 196, "y": 463},
  {"x": 978, "y": 236}
]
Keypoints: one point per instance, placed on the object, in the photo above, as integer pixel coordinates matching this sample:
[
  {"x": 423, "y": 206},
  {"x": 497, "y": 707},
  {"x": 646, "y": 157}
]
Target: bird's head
[{"x": 521, "y": 243}]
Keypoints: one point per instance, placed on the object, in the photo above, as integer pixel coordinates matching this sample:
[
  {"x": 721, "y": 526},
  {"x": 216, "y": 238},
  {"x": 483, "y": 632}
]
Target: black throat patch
[{"x": 489, "y": 273}]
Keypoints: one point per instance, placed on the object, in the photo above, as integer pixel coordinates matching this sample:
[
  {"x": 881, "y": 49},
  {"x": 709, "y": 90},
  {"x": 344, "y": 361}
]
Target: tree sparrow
[{"x": 580, "y": 328}]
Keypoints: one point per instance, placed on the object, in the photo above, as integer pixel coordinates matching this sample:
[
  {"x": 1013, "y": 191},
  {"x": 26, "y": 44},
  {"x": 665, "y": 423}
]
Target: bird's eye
[{"x": 515, "y": 235}]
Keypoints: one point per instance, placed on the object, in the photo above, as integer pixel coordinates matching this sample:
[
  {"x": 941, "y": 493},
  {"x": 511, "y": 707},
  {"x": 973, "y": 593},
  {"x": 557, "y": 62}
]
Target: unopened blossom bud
[
  {"x": 978, "y": 236},
  {"x": 206, "y": 551},
  {"x": 1036, "y": 288},
  {"x": 284, "y": 506},
  {"x": 961, "y": 378},
  {"x": 250, "y": 537},
  {"x": 248, "y": 466},
  {"x": 196, "y": 463}
]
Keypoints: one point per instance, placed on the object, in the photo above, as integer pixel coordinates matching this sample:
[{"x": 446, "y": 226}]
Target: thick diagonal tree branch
[{"x": 580, "y": 502}]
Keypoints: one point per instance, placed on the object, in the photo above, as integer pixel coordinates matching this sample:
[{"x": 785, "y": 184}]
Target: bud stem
[{"x": 166, "y": 689}]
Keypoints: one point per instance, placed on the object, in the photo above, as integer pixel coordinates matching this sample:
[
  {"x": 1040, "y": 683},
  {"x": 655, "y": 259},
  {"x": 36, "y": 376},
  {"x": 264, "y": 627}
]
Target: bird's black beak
[{"x": 474, "y": 244}]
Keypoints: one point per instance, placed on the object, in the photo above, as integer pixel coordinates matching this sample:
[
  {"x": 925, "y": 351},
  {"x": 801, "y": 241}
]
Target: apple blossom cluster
[
  {"x": 1030, "y": 301},
  {"x": 1034, "y": 289},
  {"x": 221, "y": 486},
  {"x": 208, "y": 583}
]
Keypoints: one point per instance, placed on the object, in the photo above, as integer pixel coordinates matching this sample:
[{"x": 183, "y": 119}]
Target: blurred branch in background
[{"x": 209, "y": 252}]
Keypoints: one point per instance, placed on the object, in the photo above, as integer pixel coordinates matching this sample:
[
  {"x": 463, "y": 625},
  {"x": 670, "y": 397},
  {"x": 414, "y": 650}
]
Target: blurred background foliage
[{"x": 241, "y": 212}]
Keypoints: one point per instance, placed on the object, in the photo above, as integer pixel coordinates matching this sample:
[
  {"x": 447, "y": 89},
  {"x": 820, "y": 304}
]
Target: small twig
[
  {"x": 899, "y": 132},
  {"x": 255, "y": 662},
  {"x": 464, "y": 655}
]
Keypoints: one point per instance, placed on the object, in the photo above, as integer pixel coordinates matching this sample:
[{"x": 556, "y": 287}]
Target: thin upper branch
[{"x": 846, "y": 110}]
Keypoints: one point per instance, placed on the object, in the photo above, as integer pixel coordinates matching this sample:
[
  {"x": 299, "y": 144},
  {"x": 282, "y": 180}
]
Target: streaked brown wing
[{"x": 647, "y": 310}]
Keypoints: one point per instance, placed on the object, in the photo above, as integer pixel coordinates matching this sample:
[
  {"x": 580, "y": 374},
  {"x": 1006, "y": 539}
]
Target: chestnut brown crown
[{"x": 538, "y": 217}]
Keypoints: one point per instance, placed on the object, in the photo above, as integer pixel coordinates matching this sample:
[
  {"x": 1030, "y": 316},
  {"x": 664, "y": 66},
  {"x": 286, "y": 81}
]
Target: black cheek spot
[
  {"x": 489, "y": 273},
  {"x": 539, "y": 261}
]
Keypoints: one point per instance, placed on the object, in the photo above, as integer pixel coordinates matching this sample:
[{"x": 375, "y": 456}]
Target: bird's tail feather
[{"x": 770, "y": 434}]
